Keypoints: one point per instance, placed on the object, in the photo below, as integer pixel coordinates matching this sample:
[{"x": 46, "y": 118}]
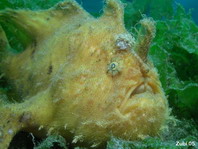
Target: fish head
[{"x": 130, "y": 99}]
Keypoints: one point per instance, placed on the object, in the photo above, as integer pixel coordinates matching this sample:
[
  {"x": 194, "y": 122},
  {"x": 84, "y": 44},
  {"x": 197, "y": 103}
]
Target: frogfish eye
[
  {"x": 113, "y": 65},
  {"x": 113, "y": 68}
]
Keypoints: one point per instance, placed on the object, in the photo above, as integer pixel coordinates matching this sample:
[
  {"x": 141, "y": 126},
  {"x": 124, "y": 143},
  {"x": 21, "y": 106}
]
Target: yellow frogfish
[{"x": 84, "y": 78}]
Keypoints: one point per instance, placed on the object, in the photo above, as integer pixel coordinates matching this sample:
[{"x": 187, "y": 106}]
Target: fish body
[{"x": 81, "y": 77}]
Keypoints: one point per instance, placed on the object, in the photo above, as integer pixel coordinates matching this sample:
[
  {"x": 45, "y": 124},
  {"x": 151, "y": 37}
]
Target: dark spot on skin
[
  {"x": 14, "y": 13},
  {"x": 34, "y": 44},
  {"x": 50, "y": 69},
  {"x": 79, "y": 25},
  {"x": 32, "y": 54},
  {"x": 25, "y": 117},
  {"x": 98, "y": 60}
]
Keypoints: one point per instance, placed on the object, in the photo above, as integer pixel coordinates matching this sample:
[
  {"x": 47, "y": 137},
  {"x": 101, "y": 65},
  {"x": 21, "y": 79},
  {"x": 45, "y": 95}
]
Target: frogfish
[{"x": 81, "y": 77}]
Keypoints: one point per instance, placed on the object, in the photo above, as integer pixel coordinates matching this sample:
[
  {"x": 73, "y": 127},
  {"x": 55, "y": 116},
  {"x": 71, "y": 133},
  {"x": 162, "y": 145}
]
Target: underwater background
[{"x": 174, "y": 52}]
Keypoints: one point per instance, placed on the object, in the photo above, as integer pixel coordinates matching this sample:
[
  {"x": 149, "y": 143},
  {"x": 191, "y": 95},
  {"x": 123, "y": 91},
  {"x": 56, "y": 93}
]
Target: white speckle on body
[
  {"x": 41, "y": 127},
  {"x": 122, "y": 45},
  {"x": 65, "y": 126},
  {"x": 10, "y": 131},
  {"x": 77, "y": 138},
  {"x": 124, "y": 41}
]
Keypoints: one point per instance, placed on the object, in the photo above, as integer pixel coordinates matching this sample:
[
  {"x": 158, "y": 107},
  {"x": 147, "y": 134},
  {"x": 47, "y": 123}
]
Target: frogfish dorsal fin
[
  {"x": 69, "y": 6},
  {"x": 40, "y": 24},
  {"x": 114, "y": 11}
]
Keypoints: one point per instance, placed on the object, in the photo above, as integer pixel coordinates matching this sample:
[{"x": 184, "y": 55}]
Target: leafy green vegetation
[
  {"x": 52, "y": 141},
  {"x": 175, "y": 137},
  {"x": 175, "y": 54},
  {"x": 149, "y": 143},
  {"x": 177, "y": 63},
  {"x": 27, "y": 4}
]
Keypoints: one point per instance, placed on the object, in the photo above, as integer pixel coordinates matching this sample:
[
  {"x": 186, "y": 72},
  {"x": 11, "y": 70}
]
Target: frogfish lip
[
  {"x": 141, "y": 88},
  {"x": 142, "y": 96}
]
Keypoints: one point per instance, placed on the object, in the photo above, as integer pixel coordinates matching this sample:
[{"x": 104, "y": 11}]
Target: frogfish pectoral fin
[
  {"x": 29, "y": 115},
  {"x": 9, "y": 125}
]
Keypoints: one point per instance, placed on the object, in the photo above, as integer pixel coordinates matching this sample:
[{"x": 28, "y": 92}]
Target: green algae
[
  {"x": 176, "y": 41},
  {"x": 27, "y": 4},
  {"x": 52, "y": 141}
]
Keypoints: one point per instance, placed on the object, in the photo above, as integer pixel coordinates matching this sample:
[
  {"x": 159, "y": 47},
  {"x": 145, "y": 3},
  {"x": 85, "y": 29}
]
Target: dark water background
[{"x": 96, "y": 6}]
